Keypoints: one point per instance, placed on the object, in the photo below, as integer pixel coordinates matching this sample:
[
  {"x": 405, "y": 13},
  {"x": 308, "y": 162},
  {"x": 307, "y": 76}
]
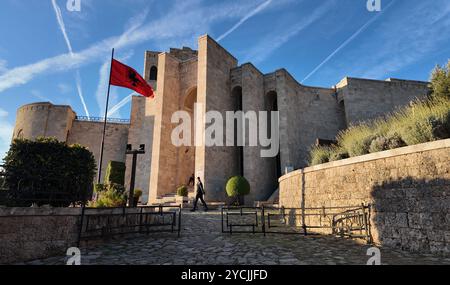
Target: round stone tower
[{"x": 43, "y": 120}]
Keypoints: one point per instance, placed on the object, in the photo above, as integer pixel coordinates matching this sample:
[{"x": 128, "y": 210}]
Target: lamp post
[{"x": 135, "y": 153}]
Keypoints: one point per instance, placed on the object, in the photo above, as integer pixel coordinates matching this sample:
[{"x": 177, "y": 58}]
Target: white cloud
[
  {"x": 102, "y": 88},
  {"x": 3, "y": 65},
  {"x": 64, "y": 88},
  {"x": 38, "y": 95},
  {"x": 6, "y": 132},
  {"x": 3, "y": 113},
  {"x": 180, "y": 26}
]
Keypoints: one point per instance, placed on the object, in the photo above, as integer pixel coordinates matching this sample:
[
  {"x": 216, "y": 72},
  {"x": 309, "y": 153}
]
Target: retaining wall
[{"x": 409, "y": 189}]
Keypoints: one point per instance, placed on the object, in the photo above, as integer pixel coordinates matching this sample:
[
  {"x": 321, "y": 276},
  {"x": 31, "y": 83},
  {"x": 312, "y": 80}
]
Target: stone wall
[
  {"x": 43, "y": 120},
  {"x": 140, "y": 132},
  {"x": 89, "y": 134},
  {"x": 35, "y": 233},
  {"x": 164, "y": 160},
  {"x": 214, "y": 69},
  {"x": 367, "y": 99},
  {"x": 260, "y": 171},
  {"x": 409, "y": 189},
  {"x": 307, "y": 113}
]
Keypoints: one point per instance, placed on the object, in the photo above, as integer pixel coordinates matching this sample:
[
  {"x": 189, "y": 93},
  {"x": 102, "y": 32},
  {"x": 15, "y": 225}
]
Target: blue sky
[{"x": 48, "y": 53}]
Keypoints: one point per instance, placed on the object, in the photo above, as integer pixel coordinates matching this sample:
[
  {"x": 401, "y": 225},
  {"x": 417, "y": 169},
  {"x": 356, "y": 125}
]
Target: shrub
[
  {"x": 423, "y": 121},
  {"x": 387, "y": 142},
  {"x": 319, "y": 155},
  {"x": 114, "y": 196},
  {"x": 356, "y": 140},
  {"x": 115, "y": 173},
  {"x": 137, "y": 194},
  {"x": 338, "y": 153},
  {"x": 237, "y": 186},
  {"x": 47, "y": 171},
  {"x": 440, "y": 81},
  {"x": 99, "y": 188},
  {"x": 183, "y": 191}
]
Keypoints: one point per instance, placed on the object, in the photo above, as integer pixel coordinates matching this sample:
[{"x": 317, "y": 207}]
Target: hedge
[{"x": 47, "y": 171}]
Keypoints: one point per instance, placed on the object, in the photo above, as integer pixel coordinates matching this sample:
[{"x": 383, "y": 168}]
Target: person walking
[
  {"x": 191, "y": 180},
  {"x": 200, "y": 194}
]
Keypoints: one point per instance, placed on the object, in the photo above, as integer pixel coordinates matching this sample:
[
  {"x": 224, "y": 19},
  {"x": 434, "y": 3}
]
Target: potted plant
[
  {"x": 182, "y": 194},
  {"x": 137, "y": 196}
]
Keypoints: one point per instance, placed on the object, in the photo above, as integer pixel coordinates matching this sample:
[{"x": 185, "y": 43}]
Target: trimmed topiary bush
[
  {"x": 138, "y": 193},
  {"x": 237, "y": 186},
  {"x": 115, "y": 173},
  {"x": 182, "y": 191},
  {"x": 137, "y": 196}
]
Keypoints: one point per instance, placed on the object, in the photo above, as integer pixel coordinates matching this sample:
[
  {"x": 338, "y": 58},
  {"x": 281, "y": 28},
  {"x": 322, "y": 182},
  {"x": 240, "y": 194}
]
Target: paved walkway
[{"x": 202, "y": 243}]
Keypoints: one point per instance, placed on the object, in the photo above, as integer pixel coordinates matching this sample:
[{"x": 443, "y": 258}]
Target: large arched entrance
[{"x": 186, "y": 165}]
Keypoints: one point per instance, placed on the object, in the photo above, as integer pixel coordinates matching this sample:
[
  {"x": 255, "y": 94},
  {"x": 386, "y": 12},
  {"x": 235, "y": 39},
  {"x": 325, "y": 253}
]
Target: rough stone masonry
[
  {"x": 408, "y": 188},
  {"x": 213, "y": 77}
]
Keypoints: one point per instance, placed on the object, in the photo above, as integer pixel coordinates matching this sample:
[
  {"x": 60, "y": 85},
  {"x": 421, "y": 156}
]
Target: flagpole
[{"x": 104, "y": 124}]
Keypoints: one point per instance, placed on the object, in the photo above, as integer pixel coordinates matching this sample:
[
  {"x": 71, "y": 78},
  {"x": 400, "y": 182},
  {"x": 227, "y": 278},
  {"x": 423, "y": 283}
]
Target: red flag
[{"x": 125, "y": 76}]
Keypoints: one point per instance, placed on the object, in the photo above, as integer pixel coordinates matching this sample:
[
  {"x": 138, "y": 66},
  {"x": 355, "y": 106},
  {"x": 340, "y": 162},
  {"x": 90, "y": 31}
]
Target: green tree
[{"x": 440, "y": 81}]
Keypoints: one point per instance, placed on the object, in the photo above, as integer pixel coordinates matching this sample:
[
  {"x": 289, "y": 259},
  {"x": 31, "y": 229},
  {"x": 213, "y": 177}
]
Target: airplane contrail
[
  {"x": 122, "y": 103},
  {"x": 62, "y": 27},
  {"x": 244, "y": 19},
  {"x": 351, "y": 38}
]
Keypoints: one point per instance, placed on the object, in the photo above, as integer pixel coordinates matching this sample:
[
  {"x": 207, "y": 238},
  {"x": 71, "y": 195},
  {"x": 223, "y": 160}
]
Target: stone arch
[
  {"x": 19, "y": 134},
  {"x": 190, "y": 99},
  {"x": 186, "y": 154},
  {"x": 153, "y": 73}
]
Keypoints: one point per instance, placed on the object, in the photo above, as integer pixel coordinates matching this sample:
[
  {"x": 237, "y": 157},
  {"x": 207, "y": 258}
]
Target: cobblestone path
[{"x": 202, "y": 243}]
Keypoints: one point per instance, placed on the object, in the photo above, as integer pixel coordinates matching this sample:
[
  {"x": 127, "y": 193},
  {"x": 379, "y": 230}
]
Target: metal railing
[
  {"x": 103, "y": 223},
  {"x": 348, "y": 221},
  {"x": 101, "y": 120}
]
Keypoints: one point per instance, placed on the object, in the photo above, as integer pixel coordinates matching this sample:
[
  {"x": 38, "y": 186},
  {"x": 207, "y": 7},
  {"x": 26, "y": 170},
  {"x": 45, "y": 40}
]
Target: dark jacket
[{"x": 200, "y": 189}]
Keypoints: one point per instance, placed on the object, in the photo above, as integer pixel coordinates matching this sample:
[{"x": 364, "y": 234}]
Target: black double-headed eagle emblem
[{"x": 133, "y": 78}]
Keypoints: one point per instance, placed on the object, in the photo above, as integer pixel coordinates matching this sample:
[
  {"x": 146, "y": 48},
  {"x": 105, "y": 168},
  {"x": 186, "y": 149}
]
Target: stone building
[{"x": 213, "y": 77}]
